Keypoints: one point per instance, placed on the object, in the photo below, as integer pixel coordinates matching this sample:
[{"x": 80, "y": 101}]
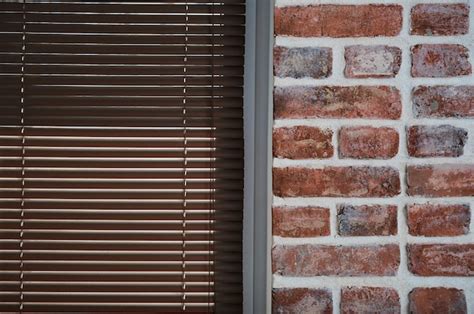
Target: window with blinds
[{"x": 121, "y": 156}]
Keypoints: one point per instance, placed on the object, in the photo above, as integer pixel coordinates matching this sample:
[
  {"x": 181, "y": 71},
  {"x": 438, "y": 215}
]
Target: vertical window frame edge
[{"x": 258, "y": 117}]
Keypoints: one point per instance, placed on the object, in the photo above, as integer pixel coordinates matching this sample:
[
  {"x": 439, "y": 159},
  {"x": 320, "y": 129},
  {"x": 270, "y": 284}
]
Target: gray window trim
[{"x": 258, "y": 117}]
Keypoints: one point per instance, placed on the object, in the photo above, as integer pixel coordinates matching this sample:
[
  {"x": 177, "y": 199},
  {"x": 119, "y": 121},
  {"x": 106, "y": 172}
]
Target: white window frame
[{"x": 258, "y": 117}]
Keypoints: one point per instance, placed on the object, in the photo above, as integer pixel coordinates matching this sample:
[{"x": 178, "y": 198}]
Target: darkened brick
[
  {"x": 436, "y": 141},
  {"x": 443, "y": 101},
  {"x": 367, "y": 220},
  {"x": 315, "y": 62}
]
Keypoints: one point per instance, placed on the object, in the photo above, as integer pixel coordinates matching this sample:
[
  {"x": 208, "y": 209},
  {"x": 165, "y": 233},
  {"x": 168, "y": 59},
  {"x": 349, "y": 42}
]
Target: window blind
[{"x": 121, "y": 156}]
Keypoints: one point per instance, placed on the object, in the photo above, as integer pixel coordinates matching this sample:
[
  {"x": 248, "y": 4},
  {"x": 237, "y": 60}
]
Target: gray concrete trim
[{"x": 258, "y": 117}]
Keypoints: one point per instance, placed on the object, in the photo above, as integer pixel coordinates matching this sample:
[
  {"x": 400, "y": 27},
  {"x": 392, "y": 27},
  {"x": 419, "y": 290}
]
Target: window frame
[{"x": 258, "y": 117}]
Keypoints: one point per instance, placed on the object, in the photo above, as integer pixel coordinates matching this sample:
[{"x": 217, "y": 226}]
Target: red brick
[
  {"x": 301, "y": 300},
  {"x": 369, "y": 300},
  {"x": 302, "y": 142},
  {"x": 437, "y": 300},
  {"x": 440, "y": 19},
  {"x": 325, "y": 260},
  {"x": 336, "y": 181},
  {"x": 367, "y": 220},
  {"x": 315, "y": 62},
  {"x": 371, "y": 102},
  {"x": 441, "y": 180},
  {"x": 339, "y": 20},
  {"x": 443, "y": 101},
  {"x": 372, "y": 61},
  {"x": 440, "y": 60},
  {"x": 441, "y": 259},
  {"x": 368, "y": 142},
  {"x": 438, "y": 220},
  {"x": 436, "y": 141},
  {"x": 300, "y": 221}
]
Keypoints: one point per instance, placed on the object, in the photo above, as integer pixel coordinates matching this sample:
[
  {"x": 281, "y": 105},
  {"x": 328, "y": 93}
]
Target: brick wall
[{"x": 373, "y": 145}]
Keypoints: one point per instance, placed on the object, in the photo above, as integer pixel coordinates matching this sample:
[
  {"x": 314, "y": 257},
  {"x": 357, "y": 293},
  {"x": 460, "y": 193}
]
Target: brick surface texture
[
  {"x": 438, "y": 220},
  {"x": 367, "y": 220},
  {"x": 440, "y": 19},
  {"x": 373, "y": 157},
  {"x": 302, "y": 142},
  {"x": 301, "y": 300},
  {"x": 370, "y": 102},
  {"x": 441, "y": 180},
  {"x": 369, "y": 300},
  {"x": 372, "y": 61},
  {"x": 325, "y": 260},
  {"x": 437, "y": 300},
  {"x": 441, "y": 259},
  {"x": 336, "y": 181},
  {"x": 440, "y": 60},
  {"x": 368, "y": 142},
  {"x": 302, "y": 62},
  {"x": 301, "y": 221},
  {"x": 436, "y": 141},
  {"x": 443, "y": 101},
  {"x": 339, "y": 20}
]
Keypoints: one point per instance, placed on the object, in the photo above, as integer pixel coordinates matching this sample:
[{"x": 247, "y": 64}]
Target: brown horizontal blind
[{"x": 121, "y": 156}]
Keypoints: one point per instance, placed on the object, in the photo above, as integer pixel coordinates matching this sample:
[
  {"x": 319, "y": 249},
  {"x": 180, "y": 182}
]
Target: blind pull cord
[
  {"x": 211, "y": 257},
  {"x": 185, "y": 60},
  {"x": 22, "y": 131}
]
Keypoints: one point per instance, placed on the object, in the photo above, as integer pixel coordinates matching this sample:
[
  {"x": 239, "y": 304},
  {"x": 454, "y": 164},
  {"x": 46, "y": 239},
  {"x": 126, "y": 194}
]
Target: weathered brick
[
  {"x": 336, "y": 181},
  {"x": 438, "y": 220},
  {"x": 313, "y": 62},
  {"x": 372, "y": 61},
  {"x": 325, "y": 260},
  {"x": 440, "y": 60},
  {"x": 338, "y": 177},
  {"x": 302, "y": 142},
  {"x": 367, "y": 220},
  {"x": 368, "y": 142},
  {"x": 441, "y": 180},
  {"x": 440, "y": 19},
  {"x": 369, "y": 300},
  {"x": 371, "y": 102},
  {"x": 441, "y": 259},
  {"x": 436, "y": 141},
  {"x": 443, "y": 101},
  {"x": 338, "y": 20},
  {"x": 301, "y": 300},
  {"x": 301, "y": 221},
  {"x": 437, "y": 300}
]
